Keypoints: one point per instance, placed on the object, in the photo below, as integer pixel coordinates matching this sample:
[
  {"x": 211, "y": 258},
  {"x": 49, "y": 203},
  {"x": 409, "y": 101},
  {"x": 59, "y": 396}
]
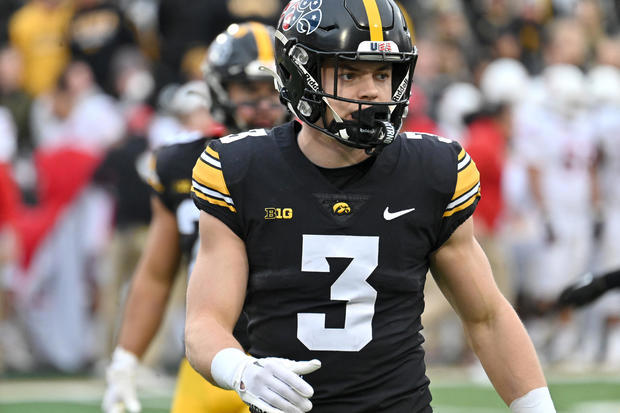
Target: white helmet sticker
[
  {"x": 305, "y": 15},
  {"x": 378, "y": 47}
]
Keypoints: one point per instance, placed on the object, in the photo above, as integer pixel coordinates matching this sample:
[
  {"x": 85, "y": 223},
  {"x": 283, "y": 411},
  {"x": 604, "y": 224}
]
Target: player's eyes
[
  {"x": 382, "y": 76},
  {"x": 347, "y": 76}
]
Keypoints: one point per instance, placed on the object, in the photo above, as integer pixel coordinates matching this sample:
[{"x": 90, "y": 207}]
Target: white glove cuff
[
  {"x": 122, "y": 358},
  {"x": 227, "y": 367},
  {"x": 535, "y": 401}
]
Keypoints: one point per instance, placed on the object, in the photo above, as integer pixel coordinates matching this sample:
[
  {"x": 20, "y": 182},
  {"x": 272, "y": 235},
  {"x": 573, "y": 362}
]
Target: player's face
[
  {"x": 258, "y": 104},
  {"x": 370, "y": 81}
]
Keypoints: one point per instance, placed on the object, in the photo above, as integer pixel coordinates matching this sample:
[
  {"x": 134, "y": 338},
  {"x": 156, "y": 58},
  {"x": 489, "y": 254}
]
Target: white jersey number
[{"x": 351, "y": 286}]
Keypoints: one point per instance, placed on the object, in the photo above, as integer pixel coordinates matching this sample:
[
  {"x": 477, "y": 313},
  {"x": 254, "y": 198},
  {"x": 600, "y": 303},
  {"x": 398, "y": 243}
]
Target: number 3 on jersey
[{"x": 350, "y": 286}]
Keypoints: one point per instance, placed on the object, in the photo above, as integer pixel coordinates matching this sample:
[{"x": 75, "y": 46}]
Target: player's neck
[{"x": 327, "y": 152}]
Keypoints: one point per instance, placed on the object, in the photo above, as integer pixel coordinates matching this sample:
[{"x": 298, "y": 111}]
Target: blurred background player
[
  {"x": 240, "y": 96},
  {"x": 557, "y": 143}
]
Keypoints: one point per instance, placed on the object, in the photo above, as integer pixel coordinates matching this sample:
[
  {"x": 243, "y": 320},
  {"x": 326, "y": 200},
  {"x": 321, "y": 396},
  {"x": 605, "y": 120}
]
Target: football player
[
  {"x": 325, "y": 230},
  {"x": 242, "y": 97}
]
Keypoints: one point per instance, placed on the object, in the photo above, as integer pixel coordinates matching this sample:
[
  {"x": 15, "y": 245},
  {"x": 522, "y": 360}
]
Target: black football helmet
[
  {"x": 238, "y": 54},
  {"x": 314, "y": 33}
]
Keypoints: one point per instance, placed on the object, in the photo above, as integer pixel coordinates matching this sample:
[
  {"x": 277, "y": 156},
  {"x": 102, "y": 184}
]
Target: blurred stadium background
[{"x": 530, "y": 87}]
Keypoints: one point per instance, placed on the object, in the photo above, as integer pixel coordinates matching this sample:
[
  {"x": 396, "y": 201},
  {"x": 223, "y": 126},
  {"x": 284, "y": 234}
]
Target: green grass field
[{"x": 452, "y": 393}]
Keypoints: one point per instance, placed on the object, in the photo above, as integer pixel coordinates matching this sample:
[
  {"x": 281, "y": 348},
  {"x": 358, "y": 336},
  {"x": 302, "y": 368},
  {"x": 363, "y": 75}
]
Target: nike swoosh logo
[{"x": 392, "y": 215}]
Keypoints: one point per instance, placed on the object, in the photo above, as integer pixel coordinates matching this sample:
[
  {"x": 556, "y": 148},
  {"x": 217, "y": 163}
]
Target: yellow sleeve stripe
[
  {"x": 374, "y": 20},
  {"x": 213, "y": 200},
  {"x": 155, "y": 185},
  {"x": 212, "y": 152},
  {"x": 207, "y": 175},
  {"x": 461, "y": 155},
  {"x": 152, "y": 179},
  {"x": 212, "y": 196},
  {"x": 464, "y": 205},
  {"x": 466, "y": 179}
]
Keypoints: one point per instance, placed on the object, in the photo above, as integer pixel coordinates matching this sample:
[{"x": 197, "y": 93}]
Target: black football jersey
[
  {"x": 170, "y": 179},
  {"x": 338, "y": 274}
]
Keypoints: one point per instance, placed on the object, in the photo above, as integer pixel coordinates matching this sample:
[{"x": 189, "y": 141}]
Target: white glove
[
  {"x": 271, "y": 384},
  {"x": 120, "y": 392}
]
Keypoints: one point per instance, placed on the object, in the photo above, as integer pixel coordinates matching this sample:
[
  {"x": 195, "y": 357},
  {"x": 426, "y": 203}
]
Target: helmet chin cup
[{"x": 370, "y": 127}]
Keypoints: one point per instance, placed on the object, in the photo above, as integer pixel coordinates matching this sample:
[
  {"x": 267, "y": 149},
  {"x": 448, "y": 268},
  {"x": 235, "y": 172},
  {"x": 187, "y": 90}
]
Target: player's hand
[
  {"x": 274, "y": 385},
  {"x": 120, "y": 393},
  {"x": 585, "y": 290},
  {"x": 270, "y": 385}
]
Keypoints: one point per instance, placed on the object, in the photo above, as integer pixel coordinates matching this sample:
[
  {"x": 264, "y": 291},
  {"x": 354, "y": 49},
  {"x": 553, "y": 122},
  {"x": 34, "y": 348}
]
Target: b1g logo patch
[
  {"x": 278, "y": 213},
  {"x": 305, "y": 15}
]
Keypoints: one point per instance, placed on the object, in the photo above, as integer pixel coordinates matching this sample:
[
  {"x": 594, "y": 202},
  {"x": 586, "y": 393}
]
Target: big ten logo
[{"x": 278, "y": 213}]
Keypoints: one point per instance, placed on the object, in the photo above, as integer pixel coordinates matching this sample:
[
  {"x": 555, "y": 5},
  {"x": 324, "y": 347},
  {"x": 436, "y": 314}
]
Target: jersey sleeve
[
  {"x": 158, "y": 180},
  {"x": 210, "y": 191},
  {"x": 465, "y": 196}
]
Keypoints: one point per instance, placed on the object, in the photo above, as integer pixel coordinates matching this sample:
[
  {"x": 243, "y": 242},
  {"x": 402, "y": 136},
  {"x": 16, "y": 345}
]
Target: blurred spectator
[
  {"x": 590, "y": 14},
  {"x": 427, "y": 76},
  {"x": 567, "y": 43},
  {"x": 38, "y": 30},
  {"x": 67, "y": 116},
  {"x": 458, "y": 101},
  {"x": 557, "y": 141},
  {"x": 489, "y": 132},
  {"x": 181, "y": 29},
  {"x": 530, "y": 27},
  {"x": 13, "y": 348},
  {"x": 8, "y": 137},
  {"x": 7, "y": 8},
  {"x": 133, "y": 82},
  {"x": 13, "y": 97},
  {"x": 604, "y": 87},
  {"x": 62, "y": 236},
  {"x": 97, "y": 31},
  {"x": 418, "y": 119},
  {"x": 608, "y": 51}
]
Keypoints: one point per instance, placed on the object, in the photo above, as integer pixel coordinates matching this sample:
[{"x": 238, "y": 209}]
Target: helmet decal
[{"x": 305, "y": 15}]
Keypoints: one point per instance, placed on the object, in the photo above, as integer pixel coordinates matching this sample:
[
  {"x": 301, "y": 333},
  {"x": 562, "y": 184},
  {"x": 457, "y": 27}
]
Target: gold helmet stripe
[
  {"x": 264, "y": 44},
  {"x": 408, "y": 20},
  {"x": 374, "y": 20}
]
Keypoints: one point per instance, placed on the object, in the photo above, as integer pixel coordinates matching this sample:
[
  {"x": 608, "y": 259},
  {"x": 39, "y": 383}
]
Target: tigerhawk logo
[
  {"x": 278, "y": 213},
  {"x": 341, "y": 208}
]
